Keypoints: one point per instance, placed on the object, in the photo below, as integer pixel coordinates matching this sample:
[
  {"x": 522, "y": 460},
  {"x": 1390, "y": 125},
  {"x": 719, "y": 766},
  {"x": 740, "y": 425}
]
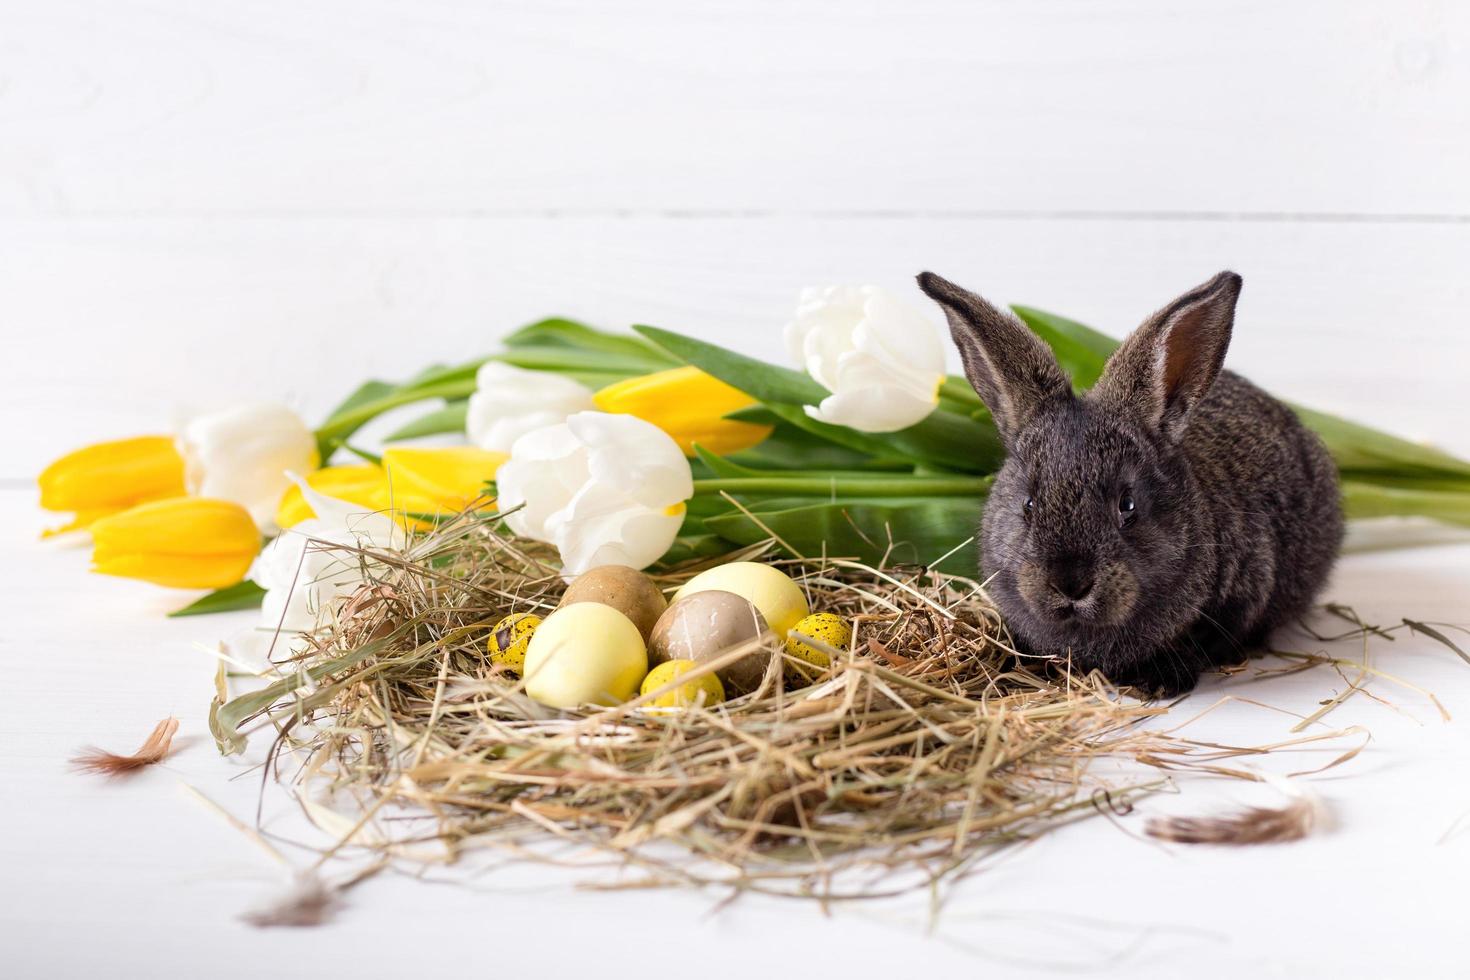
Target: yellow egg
[
  {"x": 770, "y": 590},
  {"x": 585, "y": 653},
  {"x": 827, "y": 628},
  {"x": 509, "y": 639},
  {"x": 685, "y": 694}
]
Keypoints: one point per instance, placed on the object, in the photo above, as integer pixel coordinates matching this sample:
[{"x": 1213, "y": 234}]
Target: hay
[{"x": 927, "y": 746}]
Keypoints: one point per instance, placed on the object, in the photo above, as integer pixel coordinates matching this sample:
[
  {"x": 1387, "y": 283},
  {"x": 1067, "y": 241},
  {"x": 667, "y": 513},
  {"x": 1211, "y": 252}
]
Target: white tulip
[
  {"x": 881, "y": 359},
  {"x": 605, "y": 489},
  {"x": 243, "y": 454},
  {"x": 309, "y": 565},
  {"x": 509, "y": 402}
]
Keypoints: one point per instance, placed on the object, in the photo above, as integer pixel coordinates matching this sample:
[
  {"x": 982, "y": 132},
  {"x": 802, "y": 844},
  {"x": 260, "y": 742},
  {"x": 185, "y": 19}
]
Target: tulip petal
[
  {"x": 177, "y": 571},
  {"x": 882, "y": 361},
  {"x": 603, "y": 488},
  {"x": 185, "y": 542},
  {"x": 636, "y": 457},
  {"x": 243, "y": 454},
  {"x": 631, "y": 535},
  {"x": 442, "y": 480},
  {"x": 359, "y": 484},
  {"x": 688, "y": 404},
  {"x": 510, "y": 402},
  {"x": 111, "y": 476}
]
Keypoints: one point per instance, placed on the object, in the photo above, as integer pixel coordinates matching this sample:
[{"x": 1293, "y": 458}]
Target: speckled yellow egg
[
  {"x": 585, "y": 653},
  {"x": 509, "y": 639},
  {"x": 626, "y": 589},
  {"x": 707, "y": 625},
  {"x": 685, "y": 694},
  {"x": 779, "y": 599},
  {"x": 827, "y": 628}
]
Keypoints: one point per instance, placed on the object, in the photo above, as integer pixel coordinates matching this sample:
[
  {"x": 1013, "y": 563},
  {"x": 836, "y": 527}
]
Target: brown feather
[
  {"x": 309, "y": 902},
  {"x": 95, "y": 760},
  {"x": 1253, "y": 825}
]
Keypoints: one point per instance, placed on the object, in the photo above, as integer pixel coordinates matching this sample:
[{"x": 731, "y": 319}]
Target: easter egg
[
  {"x": 585, "y": 653},
  {"x": 827, "y": 628},
  {"x": 685, "y": 694},
  {"x": 779, "y": 599},
  {"x": 625, "y": 589},
  {"x": 706, "y": 625},
  {"x": 509, "y": 639}
]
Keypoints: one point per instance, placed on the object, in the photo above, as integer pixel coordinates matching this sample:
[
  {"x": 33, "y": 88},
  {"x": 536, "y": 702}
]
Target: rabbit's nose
[{"x": 1072, "y": 582}]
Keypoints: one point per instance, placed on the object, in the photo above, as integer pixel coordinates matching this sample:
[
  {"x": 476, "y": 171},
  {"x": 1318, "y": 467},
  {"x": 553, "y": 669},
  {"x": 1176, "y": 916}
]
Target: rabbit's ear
[
  {"x": 1012, "y": 371},
  {"x": 1165, "y": 367}
]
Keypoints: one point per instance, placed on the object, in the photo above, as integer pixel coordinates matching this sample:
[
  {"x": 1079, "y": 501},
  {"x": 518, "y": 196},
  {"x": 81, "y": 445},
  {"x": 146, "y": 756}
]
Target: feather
[
  {"x": 308, "y": 902},
  {"x": 95, "y": 760},
  {"x": 1252, "y": 825}
]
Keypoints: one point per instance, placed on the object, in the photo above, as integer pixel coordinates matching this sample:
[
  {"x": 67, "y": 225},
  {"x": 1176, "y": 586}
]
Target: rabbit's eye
[
  {"x": 1126, "y": 507},
  {"x": 1028, "y": 506}
]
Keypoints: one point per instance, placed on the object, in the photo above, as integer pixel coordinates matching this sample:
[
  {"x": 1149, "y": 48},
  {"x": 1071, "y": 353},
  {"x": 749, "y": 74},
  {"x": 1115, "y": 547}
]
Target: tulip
[
  {"x": 363, "y": 484},
  {"x": 439, "y": 481},
  {"x": 605, "y": 489},
  {"x": 509, "y": 402},
  {"x": 689, "y": 405},
  {"x": 111, "y": 476},
  {"x": 316, "y": 561},
  {"x": 183, "y": 542},
  {"x": 881, "y": 360},
  {"x": 243, "y": 454}
]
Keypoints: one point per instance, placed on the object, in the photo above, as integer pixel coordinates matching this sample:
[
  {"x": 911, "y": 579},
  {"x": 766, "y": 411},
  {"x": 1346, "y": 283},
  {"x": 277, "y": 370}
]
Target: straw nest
[{"x": 928, "y": 745}]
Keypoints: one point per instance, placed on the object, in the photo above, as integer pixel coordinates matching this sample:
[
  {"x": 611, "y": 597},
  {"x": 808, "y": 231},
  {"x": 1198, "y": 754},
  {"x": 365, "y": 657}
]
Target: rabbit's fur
[{"x": 1176, "y": 514}]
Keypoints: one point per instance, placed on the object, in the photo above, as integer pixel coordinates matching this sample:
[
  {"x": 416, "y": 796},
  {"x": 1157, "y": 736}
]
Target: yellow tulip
[
  {"x": 438, "y": 481},
  {"x": 184, "y": 542},
  {"x": 689, "y": 405},
  {"x": 111, "y": 476},
  {"x": 362, "y": 484}
]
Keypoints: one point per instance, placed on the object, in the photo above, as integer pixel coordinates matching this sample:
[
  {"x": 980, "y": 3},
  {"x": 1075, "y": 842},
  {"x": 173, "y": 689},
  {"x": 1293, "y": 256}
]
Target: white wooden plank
[
  {"x": 380, "y": 107},
  {"x": 114, "y": 326}
]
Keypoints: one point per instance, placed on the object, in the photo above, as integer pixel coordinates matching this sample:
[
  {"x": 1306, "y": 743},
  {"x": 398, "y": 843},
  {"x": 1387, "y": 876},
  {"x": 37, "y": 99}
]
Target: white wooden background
[{"x": 205, "y": 202}]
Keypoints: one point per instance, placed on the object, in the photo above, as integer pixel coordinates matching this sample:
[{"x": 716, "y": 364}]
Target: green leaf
[
  {"x": 943, "y": 440},
  {"x": 450, "y": 418},
  {"x": 921, "y": 530},
  {"x": 1372, "y": 500},
  {"x": 344, "y": 424},
  {"x": 848, "y": 485},
  {"x": 761, "y": 381},
  {"x": 719, "y": 466},
  {"x": 364, "y": 394},
  {"x": 1357, "y": 447},
  {"x": 557, "y": 331},
  {"x": 694, "y": 546},
  {"x": 565, "y": 360},
  {"x": 1081, "y": 350},
  {"x": 225, "y": 722},
  {"x": 241, "y": 595}
]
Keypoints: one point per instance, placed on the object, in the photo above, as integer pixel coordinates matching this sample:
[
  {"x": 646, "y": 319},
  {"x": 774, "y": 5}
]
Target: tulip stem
[
  {"x": 348, "y": 422},
  {"x": 806, "y": 486}
]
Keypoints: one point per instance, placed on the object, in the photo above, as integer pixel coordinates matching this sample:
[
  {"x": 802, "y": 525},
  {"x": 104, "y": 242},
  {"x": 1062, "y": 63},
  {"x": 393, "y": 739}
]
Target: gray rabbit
[{"x": 1160, "y": 524}]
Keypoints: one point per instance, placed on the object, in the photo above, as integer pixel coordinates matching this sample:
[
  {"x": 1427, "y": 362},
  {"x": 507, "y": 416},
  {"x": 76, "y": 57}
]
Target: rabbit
[{"x": 1160, "y": 524}]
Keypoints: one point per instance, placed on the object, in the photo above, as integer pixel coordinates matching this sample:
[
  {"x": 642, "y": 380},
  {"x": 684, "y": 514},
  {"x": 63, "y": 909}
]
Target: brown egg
[
  {"x": 702, "y": 626},
  {"x": 626, "y": 589}
]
